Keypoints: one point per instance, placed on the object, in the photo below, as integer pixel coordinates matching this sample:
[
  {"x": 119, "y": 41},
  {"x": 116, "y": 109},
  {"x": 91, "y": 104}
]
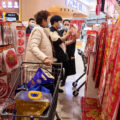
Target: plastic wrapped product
[
  {"x": 41, "y": 77},
  {"x": 10, "y": 59}
]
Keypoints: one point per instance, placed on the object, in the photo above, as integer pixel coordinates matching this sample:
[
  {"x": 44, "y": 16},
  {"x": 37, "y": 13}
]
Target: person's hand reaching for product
[
  {"x": 47, "y": 62},
  {"x": 69, "y": 32},
  {"x": 78, "y": 34}
]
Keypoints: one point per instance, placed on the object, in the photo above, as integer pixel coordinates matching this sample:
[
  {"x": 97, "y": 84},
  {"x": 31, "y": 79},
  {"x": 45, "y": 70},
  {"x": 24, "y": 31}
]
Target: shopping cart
[
  {"x": 27, "y": 69},
  {"x": 76, "y": 91}
]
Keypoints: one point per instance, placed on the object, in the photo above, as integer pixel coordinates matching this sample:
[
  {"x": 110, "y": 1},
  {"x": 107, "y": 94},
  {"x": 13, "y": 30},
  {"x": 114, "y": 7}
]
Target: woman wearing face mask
[{"x": 39, "y": 47}]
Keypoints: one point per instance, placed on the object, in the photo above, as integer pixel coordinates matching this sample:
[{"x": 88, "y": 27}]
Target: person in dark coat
[
  {"x": 59, "y": 43},
  {"x": 31, "y": 25},
  {"x": 70, "y": 49}
]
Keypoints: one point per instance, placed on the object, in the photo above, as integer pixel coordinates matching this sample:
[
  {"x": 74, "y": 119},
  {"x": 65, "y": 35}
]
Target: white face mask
[{"x": 66, "y": 28}]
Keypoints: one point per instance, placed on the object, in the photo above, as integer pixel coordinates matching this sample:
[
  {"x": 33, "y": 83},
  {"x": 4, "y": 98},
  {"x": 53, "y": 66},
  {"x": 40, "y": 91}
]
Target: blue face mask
[
  {"x": 66, "y": 28},
  {"x": 60, "y": 26},
  {"x": 49, "y": 25},
  {"x": 32, "y": 25}
]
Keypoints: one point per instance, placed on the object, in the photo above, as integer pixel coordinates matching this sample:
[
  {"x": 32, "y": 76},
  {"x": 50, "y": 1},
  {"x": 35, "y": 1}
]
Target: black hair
[
  {"x": 31, "y": 19},
  {"x": 41, "y": 15},
  {"x": 55, "y": 18},
  {"x": 66, "y": 20}
]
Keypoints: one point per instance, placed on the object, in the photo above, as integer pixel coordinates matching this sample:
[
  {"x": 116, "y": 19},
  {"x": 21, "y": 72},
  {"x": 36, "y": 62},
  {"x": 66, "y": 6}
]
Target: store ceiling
[{"x": 65, "y": 12}]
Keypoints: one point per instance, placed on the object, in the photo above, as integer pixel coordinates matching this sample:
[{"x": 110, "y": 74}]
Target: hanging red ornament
[
  {"x": 21, "y": 50},
  {"x": 20, "y": 34},
  {"x": 20, "y": 42}
]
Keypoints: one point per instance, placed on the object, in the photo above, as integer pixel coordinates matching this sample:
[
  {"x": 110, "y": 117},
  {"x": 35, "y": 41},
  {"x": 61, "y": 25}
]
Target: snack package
[
  {"x": 41, "y": 77},
  {"x": 10, "y": 59}
]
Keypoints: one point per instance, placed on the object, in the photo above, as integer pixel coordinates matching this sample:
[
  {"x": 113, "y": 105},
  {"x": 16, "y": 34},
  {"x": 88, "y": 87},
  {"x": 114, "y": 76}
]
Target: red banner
[
  {"x": 112, "y": 81},
  {"x": 100, "y": 53},
  {"x": 105, "y": 61}
]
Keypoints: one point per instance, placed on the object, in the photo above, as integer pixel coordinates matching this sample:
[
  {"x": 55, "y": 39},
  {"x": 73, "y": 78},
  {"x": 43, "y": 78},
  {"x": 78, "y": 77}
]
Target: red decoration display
[
  {"x": 76, "y": 26},
  {"x": 21, "y": 40},
  {"x": 20, "y": 50},
  {"x": 3, "y": 87},
  {"x": 0, "y": 37},
  {"x": 10, "y": 59},
  {"x": 0, "y": 61},
  {"x": 20, "y": 34},
  {"x": 91, "y": 42}
]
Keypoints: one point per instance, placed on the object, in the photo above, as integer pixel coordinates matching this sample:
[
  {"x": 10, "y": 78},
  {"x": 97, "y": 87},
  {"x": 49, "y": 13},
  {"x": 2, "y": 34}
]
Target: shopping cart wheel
[
  {"x": 75, "y": 93},
  {"x": 74, "y": 84}
]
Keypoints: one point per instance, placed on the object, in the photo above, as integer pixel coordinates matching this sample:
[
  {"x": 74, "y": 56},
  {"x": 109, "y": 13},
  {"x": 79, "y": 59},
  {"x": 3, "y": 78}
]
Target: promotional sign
[
  {"x": 11, "y": 17},
  {"x": 91, "y": 42},
  {"x": 10, "y": 6},
  {"x": 77, "y": 5},
  {"x": 76, "y": 26}
]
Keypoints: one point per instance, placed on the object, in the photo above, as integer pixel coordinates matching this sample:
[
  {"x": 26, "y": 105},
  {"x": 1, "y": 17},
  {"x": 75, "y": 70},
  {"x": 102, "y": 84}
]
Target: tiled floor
[{"x": 69, "y": 107}]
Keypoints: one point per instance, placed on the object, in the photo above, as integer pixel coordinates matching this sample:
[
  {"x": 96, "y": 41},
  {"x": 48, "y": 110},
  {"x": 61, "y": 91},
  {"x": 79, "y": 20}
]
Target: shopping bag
[
  {"x": 41, "y": 77},
  {"x": 40, "y": 88},
  {"x": 32, "y": 103}
]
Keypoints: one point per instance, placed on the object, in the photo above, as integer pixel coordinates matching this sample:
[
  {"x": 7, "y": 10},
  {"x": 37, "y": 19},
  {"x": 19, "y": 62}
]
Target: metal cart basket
[{"x": 27, "y": 70}]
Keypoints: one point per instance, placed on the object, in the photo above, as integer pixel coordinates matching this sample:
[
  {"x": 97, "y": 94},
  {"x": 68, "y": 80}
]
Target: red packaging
[
  {"x": 91, "y": 42},
  {"x": 21, "y": 40},
  {"x": 10, "y": 59},
  {"x": 76, "y": 26}
]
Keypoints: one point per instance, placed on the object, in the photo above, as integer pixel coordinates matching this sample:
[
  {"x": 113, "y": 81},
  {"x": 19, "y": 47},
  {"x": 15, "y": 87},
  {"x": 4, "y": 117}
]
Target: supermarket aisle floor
[{"x": 69, "y": 106}]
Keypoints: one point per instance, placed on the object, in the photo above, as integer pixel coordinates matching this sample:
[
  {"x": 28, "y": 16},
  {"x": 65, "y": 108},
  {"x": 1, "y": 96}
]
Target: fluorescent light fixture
[
  {"x": 16, "y": 5},
  {"x": 4, "y": 5},
  {"x": 10, "y": 4}
]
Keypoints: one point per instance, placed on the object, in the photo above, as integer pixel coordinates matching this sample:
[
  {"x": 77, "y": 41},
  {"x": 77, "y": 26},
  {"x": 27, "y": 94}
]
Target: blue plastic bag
[
  {"x": 40, "y": 88},
  {"x": 41, "y": 77}
]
